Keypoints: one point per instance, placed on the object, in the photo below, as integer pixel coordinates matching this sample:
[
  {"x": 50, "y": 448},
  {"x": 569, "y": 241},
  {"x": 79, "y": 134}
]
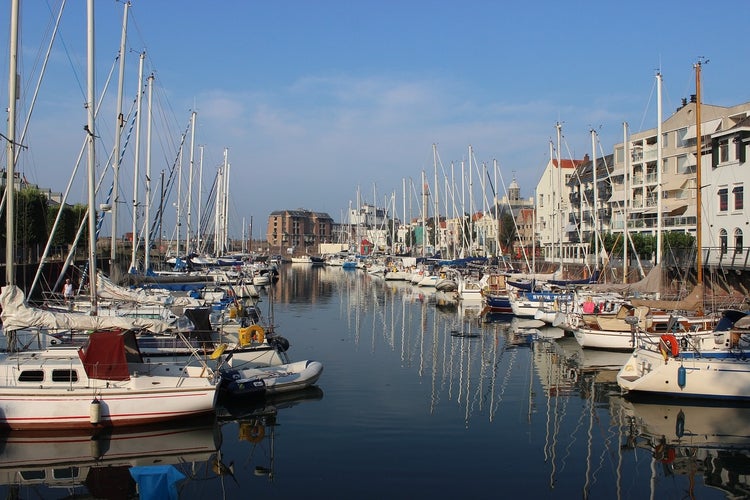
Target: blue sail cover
[{"x": 157, "y": 482}]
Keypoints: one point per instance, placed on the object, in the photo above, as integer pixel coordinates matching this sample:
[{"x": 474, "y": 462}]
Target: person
[
  {"x": 588, "y": 306},
  {"x": 68, "y": 292}
]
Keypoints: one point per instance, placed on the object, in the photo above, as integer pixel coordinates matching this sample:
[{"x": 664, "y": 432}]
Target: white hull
[
  {"x": 647, "y": 371},
  {"x": 98, "y": 386},
  {"x": 271, "y": 380}
]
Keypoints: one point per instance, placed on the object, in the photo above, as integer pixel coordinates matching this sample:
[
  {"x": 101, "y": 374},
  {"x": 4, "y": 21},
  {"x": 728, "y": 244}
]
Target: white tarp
[
  {"x": 17, "y": 315},
  {"x": 106, "y": 289}
]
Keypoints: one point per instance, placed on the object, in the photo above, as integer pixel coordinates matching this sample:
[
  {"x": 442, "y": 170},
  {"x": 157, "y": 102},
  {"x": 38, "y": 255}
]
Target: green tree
[{"x": 508, "y": 233}]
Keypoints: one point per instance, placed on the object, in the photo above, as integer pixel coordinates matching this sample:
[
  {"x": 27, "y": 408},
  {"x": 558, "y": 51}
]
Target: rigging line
[
  {"x": 170, "y": 183},
  {"x": 42, "y": 72},
  {"x": 648, "y": 105}
]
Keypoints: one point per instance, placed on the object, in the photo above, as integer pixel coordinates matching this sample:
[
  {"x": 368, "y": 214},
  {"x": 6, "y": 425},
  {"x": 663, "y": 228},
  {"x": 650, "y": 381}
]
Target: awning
[
  {"x": 674, "y": 182},
  {"x": 707, "y": 128},
  {"x": 671, "y": 205},
  {"x": 570, "y": 228}
]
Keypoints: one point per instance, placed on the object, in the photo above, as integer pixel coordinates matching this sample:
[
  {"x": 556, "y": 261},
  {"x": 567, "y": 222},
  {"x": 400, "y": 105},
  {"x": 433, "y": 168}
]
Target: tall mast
[
  {"x": 190, "y": 183},
  {"x": 136, "y": 163},
  {"x": 10, "y": 156},
  {"x": 658, "y": 169},
  {"x": 424, "y": 213},
  {"x": 436, "y": 217},
  {"x": 178, "y": 207},
  {"x": 225, "y": 229},
  {"x": 596, "y": 199},
  {"x": 91, "y": 129},
  {"x": 558, "y": 126},
  {"x": 147, "y": 193},
  {"x": 199, "y": 218},
  {"x": 698, "y": 161},
  {"x": 119, "y": 123},
  {"x": 625, "y": 237}
]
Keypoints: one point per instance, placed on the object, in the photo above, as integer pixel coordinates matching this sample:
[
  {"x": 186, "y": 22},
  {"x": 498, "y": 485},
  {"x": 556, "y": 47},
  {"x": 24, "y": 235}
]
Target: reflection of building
[{"x": 299, "y": 229}]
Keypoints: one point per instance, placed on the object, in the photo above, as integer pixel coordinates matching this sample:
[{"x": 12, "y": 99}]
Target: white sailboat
[
  {"x": 693, "y": 366},
  {"x": 104, "y": 383}
]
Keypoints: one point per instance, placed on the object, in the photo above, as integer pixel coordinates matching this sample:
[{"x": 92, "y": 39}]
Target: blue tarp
[{"x": 157, "y": 482}]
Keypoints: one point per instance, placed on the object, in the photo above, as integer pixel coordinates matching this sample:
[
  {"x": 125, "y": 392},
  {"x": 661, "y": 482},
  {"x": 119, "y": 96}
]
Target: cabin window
[
  {"x": 31, "y": 376},
  {"x": 739, "y": 201},
  {"x": 723, "y": 199},
  {"x": 32, "y": 475},
  {"x": 64, "y": 376},
  {"x": 738, "y": 240},
  {"x": 723, "y": 241}
]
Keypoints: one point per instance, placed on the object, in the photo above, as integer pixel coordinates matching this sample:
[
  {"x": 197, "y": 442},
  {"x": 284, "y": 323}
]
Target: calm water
[{"x": 416, "y": 401}]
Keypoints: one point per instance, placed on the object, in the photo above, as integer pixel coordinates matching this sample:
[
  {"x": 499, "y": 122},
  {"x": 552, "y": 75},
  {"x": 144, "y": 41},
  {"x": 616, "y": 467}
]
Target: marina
[{"x": 431, "y": 401}]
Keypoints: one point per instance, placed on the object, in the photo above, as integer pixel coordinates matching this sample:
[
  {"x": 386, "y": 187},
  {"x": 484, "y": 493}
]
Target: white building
[
  {"x": 724, "y": 173},
  {"x": 552, "y": 205}
]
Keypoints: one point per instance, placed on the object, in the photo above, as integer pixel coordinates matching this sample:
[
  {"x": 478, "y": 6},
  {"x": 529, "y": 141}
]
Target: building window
[
  {"x": 738, "y": 240},
  {"x": 723, "y": 150},
  {"x": 723, "y": 199},
  {"x": 723, "y": 241},
  {"x": 681, "y": 141},
  {"x": 739, "y": 201}
]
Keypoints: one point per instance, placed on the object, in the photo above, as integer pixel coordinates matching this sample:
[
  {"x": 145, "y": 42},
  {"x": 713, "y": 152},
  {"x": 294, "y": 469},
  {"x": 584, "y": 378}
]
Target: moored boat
[
  {"x": 104, "y": 383},
  {"x": 269, "y": 380}
]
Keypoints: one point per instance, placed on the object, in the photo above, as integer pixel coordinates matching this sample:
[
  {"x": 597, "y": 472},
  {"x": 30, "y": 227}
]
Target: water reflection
[
  {"x": 101, "y": 463},
  {"x": 693, "y": 440},
  {"x": 190, "y": 459}
]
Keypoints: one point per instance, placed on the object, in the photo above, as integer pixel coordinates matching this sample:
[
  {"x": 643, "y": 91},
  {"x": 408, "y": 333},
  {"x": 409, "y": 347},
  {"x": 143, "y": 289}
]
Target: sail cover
[{"x": 17, "y": 315}]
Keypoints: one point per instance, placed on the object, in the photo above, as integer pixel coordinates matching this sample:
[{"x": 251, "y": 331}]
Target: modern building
[{"x": 553, "y": 205}]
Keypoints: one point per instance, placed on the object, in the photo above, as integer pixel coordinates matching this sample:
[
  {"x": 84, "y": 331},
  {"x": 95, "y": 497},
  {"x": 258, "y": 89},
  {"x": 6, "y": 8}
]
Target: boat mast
[
  {"x": 199, "y": 218},
  {"x": 10, "y": 156},
  {"x": 136, "y": 164},
  {"x": 147, "y": 193},
  {"x": 91, "y": 129},
  {"x": 659, "y": 160},
  {"x": 436, "y": 216},
  {"x": 698, "y": 160},
  {"x": 424, "y": 213},
  {"x": 190, "y": 183},
  {"x": 225, "y": 228},
  {"x": 119, "y": 124},
  {"x": 596, "y": 199},
  {"x": 558, "y": 126},
  {"x": 625, "y": 238}
]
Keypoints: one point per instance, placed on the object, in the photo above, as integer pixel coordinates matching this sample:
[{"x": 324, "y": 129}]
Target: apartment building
[{"x": 301, "y": 230}]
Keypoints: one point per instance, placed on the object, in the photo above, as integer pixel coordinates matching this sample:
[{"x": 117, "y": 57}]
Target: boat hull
[
  {"x": 270, "y": 380},
  {"x": 725, "y": 377}
]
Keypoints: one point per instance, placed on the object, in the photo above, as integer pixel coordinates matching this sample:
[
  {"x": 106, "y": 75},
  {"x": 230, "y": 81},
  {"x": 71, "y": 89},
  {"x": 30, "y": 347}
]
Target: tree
[{"x": 508, "y": 234}]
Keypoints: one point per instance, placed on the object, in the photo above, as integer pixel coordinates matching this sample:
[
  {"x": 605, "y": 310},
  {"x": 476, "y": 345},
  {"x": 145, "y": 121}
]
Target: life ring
[
  {"x": 257, "y": 333},
  {"x": 668, "y": 343},
  {"x": 252, "y": 432}
]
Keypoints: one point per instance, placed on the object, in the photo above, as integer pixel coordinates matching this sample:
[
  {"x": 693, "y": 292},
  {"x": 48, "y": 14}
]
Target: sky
[{"x": 317, "y": 101}]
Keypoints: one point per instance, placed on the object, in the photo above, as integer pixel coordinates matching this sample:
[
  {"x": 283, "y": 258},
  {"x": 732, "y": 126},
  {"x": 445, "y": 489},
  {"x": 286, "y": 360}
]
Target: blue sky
[{"x": 317, "y": 99}]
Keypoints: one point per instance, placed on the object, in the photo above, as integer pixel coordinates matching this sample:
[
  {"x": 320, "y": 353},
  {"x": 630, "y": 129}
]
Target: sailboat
[
  {"x": 105, "y": 382},
  {"x": 687, "y": 365}
]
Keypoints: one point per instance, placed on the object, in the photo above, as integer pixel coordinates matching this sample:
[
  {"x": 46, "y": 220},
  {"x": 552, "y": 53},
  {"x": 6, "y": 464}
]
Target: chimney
[
  {"x": 586, "y": 158},
  {"x": 693, "y": 98}
]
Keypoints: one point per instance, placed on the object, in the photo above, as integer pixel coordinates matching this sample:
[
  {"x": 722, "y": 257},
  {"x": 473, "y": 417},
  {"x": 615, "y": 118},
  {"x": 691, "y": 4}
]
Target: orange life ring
[
  {"x": 669, "y": 341},
  {"x": 252, "y": 432},
  {"x": 257, "y": 333}
]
